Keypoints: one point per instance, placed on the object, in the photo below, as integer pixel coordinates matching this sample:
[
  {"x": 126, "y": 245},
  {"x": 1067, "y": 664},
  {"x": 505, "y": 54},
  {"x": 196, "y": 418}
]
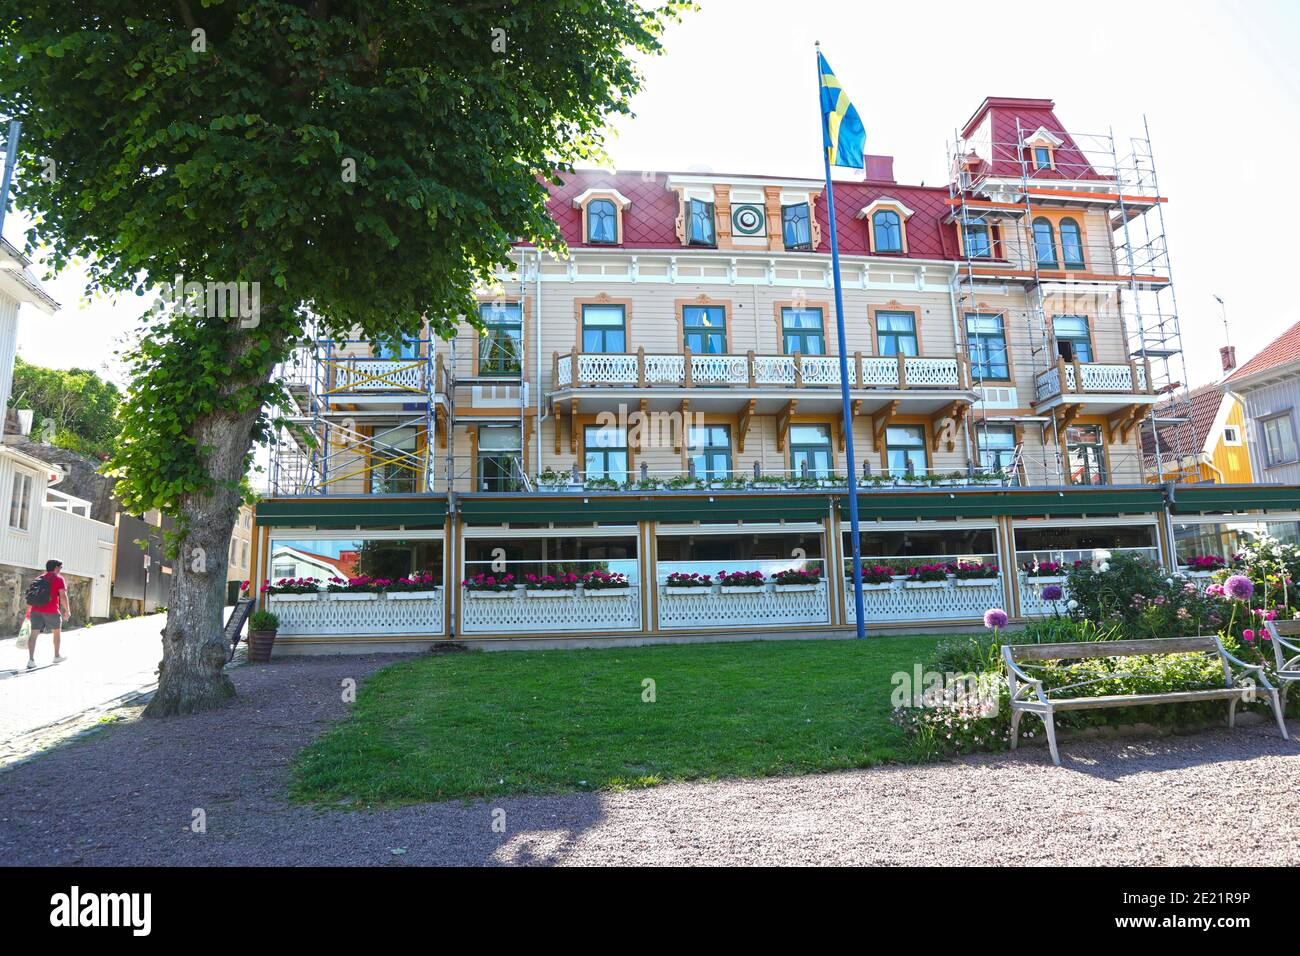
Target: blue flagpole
[{"x": 846, "y": 405}]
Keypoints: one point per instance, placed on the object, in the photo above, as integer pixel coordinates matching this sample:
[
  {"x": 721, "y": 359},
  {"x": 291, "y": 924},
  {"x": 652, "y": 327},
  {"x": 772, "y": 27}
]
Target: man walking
[{"x": 48, "y": 598}]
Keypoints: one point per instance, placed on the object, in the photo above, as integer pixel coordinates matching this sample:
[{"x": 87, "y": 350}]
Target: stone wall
[{"x": 13, "y": 608}]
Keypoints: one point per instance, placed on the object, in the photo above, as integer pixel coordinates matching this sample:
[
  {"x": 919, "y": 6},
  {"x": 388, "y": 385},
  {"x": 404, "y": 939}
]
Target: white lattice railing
[
  {"x": 1091, "y": 377},
  {"x": 708, "y": 608},
  {"x": 600, "y": 369},
  {"x": 384, "y": 614},
  {"x": 377, "y": 375},
  {"x": 895, "y": 602},
  {"x": 568, "y": 611}
]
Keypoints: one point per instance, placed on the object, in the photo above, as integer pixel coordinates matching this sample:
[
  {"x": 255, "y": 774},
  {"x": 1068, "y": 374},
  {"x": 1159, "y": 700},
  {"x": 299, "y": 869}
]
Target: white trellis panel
[
  {"x": 763, "y": 607},
  {"x": 1031, "y": 597},
  {"x": 324, "y": 616},
  {"x": 572, "y": 612},
  {"x": 903, "y": 605}
]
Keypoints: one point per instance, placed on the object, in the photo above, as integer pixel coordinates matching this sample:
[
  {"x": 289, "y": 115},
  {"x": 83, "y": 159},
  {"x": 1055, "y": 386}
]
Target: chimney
[
  {"x": 1228, "y": 356},
  {"x": 880, "y": 169}
]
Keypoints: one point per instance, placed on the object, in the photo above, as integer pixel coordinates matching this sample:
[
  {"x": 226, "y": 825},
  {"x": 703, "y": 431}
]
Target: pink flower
[
  {"x": 995, "y": 618},
  {"x": 1248, "y": 635}
]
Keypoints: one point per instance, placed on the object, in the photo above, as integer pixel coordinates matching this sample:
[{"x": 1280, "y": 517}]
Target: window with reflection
[
  {"x": 802, "y": 331},
  {"x": 501, "y": 347},
  {"x": 602, "y": 222},
  {"x": 987, "y": 340},
  {"x": 710, "y": 448},
  {"x": 997, "y": 447},
  {"x": 896, "y": 333},
  {"x": 1073, "y": 340},
  {"x": 605, "y": 452},
  {"x": 1086, "y": 454},
  {"x": 1071, "y": 244},
  {"x": 796, "y": 226},
  {"x": 1045, "y": 242},
  {"x": 905, "y": 450},
  {"x": 700, "y": 229},
  {"x": 888, "y": 228},
  {"x": 604, "y": 328},
  {"x": 325, "y": 558},
  {"x": 977, "y": 240},
  {"x": 704, "y": 329},
  {"x": 810, "y": 450}
]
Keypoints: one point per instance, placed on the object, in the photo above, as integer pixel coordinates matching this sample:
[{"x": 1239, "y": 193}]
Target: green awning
[
  {"x": 376, "y": 511},
  {"x": 1202, "y": 499},
  {"x": 622, "y": 508},
  {"x": 1012, "y": 502}
]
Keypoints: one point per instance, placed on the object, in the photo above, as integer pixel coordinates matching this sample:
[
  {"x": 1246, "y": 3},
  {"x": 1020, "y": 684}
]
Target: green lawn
[{"x": 479, "y": 725}]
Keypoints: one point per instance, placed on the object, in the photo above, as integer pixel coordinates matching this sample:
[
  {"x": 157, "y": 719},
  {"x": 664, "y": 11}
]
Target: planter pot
[
  {"x": 976, "y": 582},
  {"x": 260, "y": 644},
  {"x": 925, "y": 584},
  {"x": 293, "y": 597},
  {"x": 737, "y": 589},
  {"x": 886, "y": 586},
  {"x": 1199, "y": 575},
  {"x": 784, "y": 588},
  {"x": 354, "y": 596},
  {"x": 411, "y": 595},
  {"x": 669, "y": 589},
  {"x": 1051, "y": 579},
  {"x": 606, "y": 592},
  {"x": 490, "y": 595},
  {"x": 554, "y": 593}
]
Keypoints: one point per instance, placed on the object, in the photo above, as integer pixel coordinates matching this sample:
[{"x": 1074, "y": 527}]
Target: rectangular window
[
  {"x": 796, "y": 226},
  {"x": 1042, "y": 157},
  {"x": 1279, "y": 439},
  {"x": 1086, "y": 455},
  {"x": 501, "y": 347},
  {"x": 397, "y": 468},
  {"x": 711, "y": 452},
  {"x": 704, "y": 329},
  {"x": 499, "y": 458},
  {"x": 20, "y": 502},
  {"x": 604, "y": 328},
  {"x": 810, "y": 450},
  {"x": 997, "y": 446},
  {"x": 977, "y": 242},
  {"x": 324, "y": 558},
  {"x": 699, "y": 223},
  {"x": 905, "y": 450},
  {"x": 896, "y": 333},
  {"x": 605, "y": 452},
  {"x": 1073, "y": 341},
  {"x": 987, "y": 342},
  {"x": 802, "y": 331},
  {"x": 408, "y": 347},
  {"x": 1231, "y": 435}
]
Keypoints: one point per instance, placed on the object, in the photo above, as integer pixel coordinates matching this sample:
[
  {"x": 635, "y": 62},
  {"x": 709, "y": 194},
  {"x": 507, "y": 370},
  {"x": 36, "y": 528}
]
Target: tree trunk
[{"x": 191, "y": 676}]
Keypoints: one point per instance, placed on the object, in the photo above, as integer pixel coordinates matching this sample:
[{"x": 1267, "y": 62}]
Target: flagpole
[{"x": 846, "y": 405}]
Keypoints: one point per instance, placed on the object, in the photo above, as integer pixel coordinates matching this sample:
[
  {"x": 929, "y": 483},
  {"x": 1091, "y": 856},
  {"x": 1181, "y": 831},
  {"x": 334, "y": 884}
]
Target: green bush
[{"x": 263, "y": 621}]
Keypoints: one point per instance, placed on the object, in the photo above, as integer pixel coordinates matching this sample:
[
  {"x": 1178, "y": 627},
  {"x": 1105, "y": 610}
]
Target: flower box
[
  {"x": 552, "y": 593},
  {"x": 489, "y": 595},
  {"x": 1047, "y": 579},
  {"x": 354, "y": 596},
  {"x": 741, "y": 589},
  {"x": 925, "y": 584},
  {"x": 976, "y": 582},
  {"x": 411, "y": 595},
  {"x": 606, "y": 592},
  {"x": 784, "y": 588},
  {"x": 673, "y": 589},
  {"x": 293, "y": 597},
  {"x": 886, "y": 586},
  {"x": 1198, "y": 574}
]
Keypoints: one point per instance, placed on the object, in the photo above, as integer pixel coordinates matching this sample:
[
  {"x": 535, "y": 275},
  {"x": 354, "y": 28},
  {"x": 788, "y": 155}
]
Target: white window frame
[
  {"x": 20, "y": 516},
  {"x": 1235, "y": 441}
]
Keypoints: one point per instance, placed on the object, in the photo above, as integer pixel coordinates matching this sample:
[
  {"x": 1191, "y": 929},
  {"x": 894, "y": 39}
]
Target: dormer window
[
  {"x": 886, "y": 225},
  {"x": 602, "y": 215},
  {"x": 1041, "y": 146},
  {"x": 700, "y": 228},
  {"x": 1042, "y": 157},
  {"x": 796, "y": 227},
  {"x": 602, "y": 222}
]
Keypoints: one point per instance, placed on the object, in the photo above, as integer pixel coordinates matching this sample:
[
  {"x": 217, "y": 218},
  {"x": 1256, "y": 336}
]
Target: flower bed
[
  {"x": 485, "y": 586},
  {"x": 292, "y": 589},
  {"x": 927, "y": 576},
  {"x": 551, "y": 585},
  {"x": 417, "y": 586},
  {"x": 602, "y": 583},
  {"x": 740, "y": 582},
  {"x": 796, "y": 579}
]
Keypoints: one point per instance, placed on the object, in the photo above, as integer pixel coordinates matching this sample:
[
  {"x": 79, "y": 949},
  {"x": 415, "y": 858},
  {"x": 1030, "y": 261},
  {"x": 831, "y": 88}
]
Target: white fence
[
  {"x": 85, "y": 546},
  {"x": 924, "y": 602},
  {"x": 1096, "y": 377},
  {"x": 360, "y": 616},
  {"x": 627, "y": 368},
  {"x": 533, "y": 612},
  {"x": 714, "y": 607}
]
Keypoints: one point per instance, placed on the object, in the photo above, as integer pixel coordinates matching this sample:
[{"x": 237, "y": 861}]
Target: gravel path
[{"x": 126, "y": 796}]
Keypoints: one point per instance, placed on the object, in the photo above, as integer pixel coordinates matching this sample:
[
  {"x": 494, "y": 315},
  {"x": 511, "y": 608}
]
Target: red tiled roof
[
  {"x": 1011, "y": 118},
  {"x": 649, "y": 222},
  {"x": 1189, "y": 437},
  {"x": 1281, "y": 351}
]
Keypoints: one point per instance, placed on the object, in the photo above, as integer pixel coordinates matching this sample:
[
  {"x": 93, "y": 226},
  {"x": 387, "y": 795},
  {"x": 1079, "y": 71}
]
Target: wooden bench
[
  {"x": 1028, "y": 696},
  {"x": 1285, "y": 636}
]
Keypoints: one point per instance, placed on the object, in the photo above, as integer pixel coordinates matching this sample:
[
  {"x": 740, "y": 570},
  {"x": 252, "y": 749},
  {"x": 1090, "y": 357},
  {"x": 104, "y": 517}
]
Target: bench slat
[
  {"x": 1287, "y": 628},
  {"x": 1082, "y": 649},
  {"x": 1174, "y": 697}
]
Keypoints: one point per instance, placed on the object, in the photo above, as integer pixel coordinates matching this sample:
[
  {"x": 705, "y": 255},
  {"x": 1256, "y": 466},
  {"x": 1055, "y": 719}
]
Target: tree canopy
[{"x": 80, "y": 406}]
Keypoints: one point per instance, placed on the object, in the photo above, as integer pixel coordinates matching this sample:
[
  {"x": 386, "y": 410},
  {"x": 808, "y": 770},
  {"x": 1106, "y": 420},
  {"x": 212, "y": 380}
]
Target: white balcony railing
[
  {"x": 642, "y": 369},
  {"x": 1084, "y": 377}
]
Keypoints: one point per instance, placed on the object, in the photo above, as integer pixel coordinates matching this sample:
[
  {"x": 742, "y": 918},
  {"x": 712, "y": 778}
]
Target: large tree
[
  {"x": 74, "y": 408},
  {"x": 367, "y": 161}
]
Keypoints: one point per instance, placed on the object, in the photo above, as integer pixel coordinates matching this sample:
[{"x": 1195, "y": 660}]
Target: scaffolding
[
  {"x": 362, "y": 418},
  {"x": 1009, "y": 195}
]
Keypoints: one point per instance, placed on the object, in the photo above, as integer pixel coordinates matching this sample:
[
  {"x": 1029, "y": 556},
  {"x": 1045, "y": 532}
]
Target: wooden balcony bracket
[
  {"x": 783, "y": 419},
  {"x": 880, "y": 421},
  {"x": 743, "y": 423}
]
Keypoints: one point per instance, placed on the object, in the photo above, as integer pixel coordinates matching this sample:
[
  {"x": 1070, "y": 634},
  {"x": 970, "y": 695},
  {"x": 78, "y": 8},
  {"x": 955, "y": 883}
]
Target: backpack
[{"x": 38, "y": 592}]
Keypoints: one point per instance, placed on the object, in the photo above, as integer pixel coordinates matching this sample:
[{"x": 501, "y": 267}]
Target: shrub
[
  {"x": 263, "y": 621},
  {"x": 798, "y": 576}
]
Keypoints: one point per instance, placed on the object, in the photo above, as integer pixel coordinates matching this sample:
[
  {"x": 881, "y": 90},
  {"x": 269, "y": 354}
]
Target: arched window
[
  {"x": 888, "y": 231},
  {"x": 1045, "y": 242},
  {"x": 1071, "y": 244},
  {"x": 602, "y": 222}
]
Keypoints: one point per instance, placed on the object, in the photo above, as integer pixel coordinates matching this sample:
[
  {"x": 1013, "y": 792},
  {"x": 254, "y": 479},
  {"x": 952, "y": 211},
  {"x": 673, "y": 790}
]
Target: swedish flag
[{"x": 843, "y": 134}]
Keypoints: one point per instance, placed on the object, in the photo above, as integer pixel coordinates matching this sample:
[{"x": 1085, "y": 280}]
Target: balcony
[
  {"x": 724, "y": 381},
  {"x": 1094, "y": 388}
]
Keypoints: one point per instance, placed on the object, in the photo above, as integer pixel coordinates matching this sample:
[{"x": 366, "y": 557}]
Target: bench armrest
[
  {"x": 1287, "y": 643},
  {"x": 1014, "y": 672},
  {"x": 1262, "y": 679}
]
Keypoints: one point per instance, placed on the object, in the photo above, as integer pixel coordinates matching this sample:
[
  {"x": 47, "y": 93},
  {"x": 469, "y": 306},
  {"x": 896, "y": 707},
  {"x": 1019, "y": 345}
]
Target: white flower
[
  {"x": 1105, "y": 566},
  {"x": 1169, "y": 580},
  {"x": 1072, "y": 604}
]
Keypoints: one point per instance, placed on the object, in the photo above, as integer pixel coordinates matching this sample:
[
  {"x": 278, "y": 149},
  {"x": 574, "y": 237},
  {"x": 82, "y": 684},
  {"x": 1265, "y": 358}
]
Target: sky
[{"x": 735, "y": 92}]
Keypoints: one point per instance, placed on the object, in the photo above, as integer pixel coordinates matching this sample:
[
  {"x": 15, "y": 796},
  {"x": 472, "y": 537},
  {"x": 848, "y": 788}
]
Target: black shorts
[{"x": 46, "y": 621}]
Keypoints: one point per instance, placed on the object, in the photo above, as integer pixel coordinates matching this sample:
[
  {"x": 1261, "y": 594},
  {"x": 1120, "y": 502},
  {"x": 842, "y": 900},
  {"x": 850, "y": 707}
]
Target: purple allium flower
[
  {"x": 995, "y": 618},
  {"x": 1239, "y": 586},
  {"x": 1052, "y": 592}
]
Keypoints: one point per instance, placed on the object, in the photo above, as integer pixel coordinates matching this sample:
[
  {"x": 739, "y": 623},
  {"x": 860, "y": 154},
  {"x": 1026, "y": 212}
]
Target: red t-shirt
[{"x": 57, "y": 585}]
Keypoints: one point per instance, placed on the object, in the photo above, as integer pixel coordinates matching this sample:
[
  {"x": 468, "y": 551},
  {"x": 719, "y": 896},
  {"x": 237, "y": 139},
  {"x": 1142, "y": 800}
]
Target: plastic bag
[{"x": 25, "y": 632}]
